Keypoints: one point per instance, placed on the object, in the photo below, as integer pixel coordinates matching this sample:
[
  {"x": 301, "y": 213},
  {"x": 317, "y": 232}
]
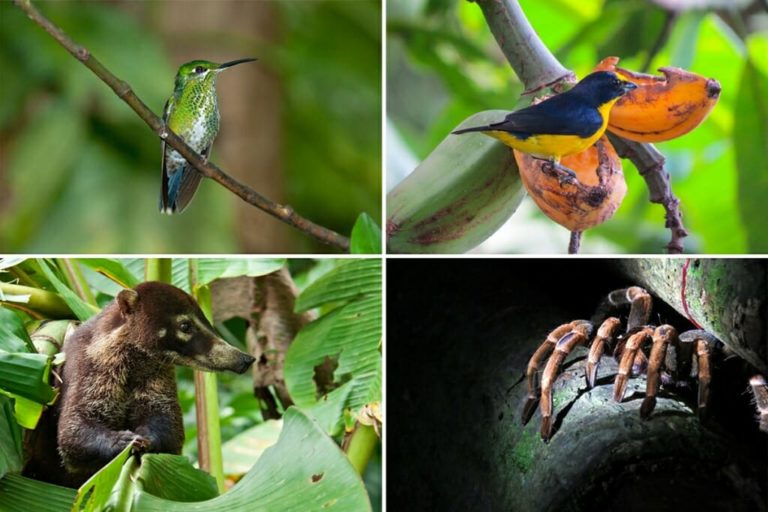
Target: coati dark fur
[{"x": 119, "y": 383}]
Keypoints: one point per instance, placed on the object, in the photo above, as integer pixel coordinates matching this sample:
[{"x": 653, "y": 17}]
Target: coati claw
[{"x": 140, "y": 445}]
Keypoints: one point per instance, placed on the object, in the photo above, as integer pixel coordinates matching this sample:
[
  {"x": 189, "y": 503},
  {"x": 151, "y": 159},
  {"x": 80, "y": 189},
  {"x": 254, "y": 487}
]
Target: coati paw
[{"x": 139, "y": 444}]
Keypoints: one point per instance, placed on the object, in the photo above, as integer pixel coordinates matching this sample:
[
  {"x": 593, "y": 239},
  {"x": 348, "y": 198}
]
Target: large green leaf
[
  {"x": 304, "y": 471},
  {"x": 11, "y": 458},
  {"x": 243, "y": 450},
  {"x": 26, "y": 375},
  {"x": 113, "y": 269},
  {"x": 209, "y": 269},
  {"x": 350, "y": 335},
  {"x": 349, "y": 280},
  {"x": 173, "y": 478},
  {"x": 13, "y": 335},
  {"x": 18, "y": 493},
  {"x": 98, "y": 490},
  {"x": 79, "y": 307}
]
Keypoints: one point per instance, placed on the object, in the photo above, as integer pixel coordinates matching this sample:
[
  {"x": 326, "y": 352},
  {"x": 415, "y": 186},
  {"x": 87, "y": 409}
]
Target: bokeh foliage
[
  {"x": 444, "y": 65},
  {"x": 79, "y": 172}
]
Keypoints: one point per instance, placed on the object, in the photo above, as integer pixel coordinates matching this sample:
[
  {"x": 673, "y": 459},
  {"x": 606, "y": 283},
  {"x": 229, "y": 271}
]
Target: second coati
[{"x": 119, "y": 383}]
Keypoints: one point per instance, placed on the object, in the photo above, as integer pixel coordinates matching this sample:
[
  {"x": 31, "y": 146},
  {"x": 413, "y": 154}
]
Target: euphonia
[{"x": 562, "y": 125}]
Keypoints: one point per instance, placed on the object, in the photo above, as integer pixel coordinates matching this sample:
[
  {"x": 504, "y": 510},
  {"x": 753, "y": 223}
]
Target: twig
[
  {"x": 575, "y": 242},
  {"x": 650, "y": 164},
  {"x": 123, "y": 90}
]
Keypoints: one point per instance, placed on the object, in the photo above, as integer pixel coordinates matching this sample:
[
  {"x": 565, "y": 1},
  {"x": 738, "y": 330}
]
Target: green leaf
[
  {"x": 95, "y": 493},
  {"x": 26, "y": 375},
  {"x": 366, "y": 236},
  {"x": 209, "y": 269},
  {"x": 11, "y": 454},
  {"x": 751, "y": 142},
  {"x": 350, "y": 335},
  {"x": 243, "y": 450},
  {"x": 305, "y": 470},
  {"x": 172, "y": 477},
  {"x": 79, "y": 307},
  {"x": 349, "y": 280},
  {"x": 13, "y": 335},
  {"x": 20, "y": 493},
  {"x": 113, "y": 269}
]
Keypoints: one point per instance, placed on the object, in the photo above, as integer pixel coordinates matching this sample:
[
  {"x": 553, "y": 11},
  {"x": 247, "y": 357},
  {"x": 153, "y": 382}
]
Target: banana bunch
[
  {"x": 661, "y": 108},
  {"x": 457, "y": 197}
]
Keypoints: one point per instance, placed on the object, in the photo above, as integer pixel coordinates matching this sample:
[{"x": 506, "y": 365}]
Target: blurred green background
[
  {"x": 80, "y": 172},
  {"x": 444, "y": 65}
]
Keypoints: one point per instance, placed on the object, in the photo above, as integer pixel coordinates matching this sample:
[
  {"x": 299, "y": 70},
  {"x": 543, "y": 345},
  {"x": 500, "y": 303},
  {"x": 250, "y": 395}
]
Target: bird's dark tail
[{"x": 473, "y": 129}]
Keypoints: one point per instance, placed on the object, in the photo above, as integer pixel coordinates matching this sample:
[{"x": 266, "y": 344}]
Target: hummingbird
[{"x": 193, "y": 114}]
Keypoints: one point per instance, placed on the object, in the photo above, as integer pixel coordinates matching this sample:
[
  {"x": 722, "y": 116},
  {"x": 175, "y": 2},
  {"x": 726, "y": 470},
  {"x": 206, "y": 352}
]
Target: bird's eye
[
  {"x": 199, "y": 69},
  {"x": 185, "y": 327}
]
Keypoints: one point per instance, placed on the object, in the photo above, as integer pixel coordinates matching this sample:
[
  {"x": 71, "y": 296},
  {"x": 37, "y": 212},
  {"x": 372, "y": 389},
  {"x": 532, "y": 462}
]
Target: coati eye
[
  {"x": 199, "y": 69},
  {"x": 185, "y": 327}
]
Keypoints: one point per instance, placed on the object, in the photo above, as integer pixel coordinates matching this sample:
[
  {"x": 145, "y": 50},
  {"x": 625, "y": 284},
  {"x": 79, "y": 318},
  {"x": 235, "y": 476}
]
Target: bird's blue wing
[{"x": 559, "y": 115}]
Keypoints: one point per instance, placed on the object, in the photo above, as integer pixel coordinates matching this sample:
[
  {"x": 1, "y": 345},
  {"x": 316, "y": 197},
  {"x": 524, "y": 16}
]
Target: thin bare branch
[{"x": 284, "y": 213}]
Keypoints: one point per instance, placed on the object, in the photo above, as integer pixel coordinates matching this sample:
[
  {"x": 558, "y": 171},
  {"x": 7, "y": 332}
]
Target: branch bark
[{"x": 284, "y": 213}]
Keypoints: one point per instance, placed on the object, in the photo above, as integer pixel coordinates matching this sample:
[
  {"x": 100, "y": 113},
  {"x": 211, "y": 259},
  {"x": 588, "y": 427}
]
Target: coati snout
[
  {"x": 183, "y": 334},
  {"x": 119, "y": 383}
]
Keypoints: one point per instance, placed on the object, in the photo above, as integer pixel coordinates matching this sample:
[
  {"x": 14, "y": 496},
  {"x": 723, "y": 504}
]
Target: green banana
[{"x": 458, "y": 196}]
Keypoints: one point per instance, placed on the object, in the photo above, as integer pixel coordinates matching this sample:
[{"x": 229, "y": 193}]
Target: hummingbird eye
[{"x": 199, "y": 69}]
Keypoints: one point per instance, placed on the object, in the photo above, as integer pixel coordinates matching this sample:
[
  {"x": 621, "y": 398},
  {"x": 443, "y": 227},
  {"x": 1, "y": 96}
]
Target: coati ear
[{"x": 126, "y": 301}]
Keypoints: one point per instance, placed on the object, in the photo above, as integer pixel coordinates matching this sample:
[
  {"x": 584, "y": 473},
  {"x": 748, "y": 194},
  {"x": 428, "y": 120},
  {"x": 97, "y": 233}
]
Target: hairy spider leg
[
  {"x": 605, "y": 335},
  {"x": 760, "y": 392},
  {"x": 638, "y": 300},
  {"x": 579, "y": 335},
  {"x": 662, "y": 336},
  {"x": 703, "y": 344},
  {"x": 533, "y": 365},
  {"x": 634, "y": 343}
]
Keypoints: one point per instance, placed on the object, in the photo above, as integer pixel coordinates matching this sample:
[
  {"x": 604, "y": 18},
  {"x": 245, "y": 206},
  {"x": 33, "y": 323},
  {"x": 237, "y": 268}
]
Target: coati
[{"x": 119, "y": 383}]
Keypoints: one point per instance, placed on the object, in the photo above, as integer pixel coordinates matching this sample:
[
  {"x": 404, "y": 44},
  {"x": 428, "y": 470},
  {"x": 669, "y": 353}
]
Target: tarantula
[{"x": 691, "y": 357}]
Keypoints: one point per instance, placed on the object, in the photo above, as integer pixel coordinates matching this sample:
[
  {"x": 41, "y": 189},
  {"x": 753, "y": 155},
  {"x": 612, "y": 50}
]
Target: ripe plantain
[
  {"x": 457, "y": 197},
  {"x": 597, "y": 168},
  {"x": 661, "y": 108}
]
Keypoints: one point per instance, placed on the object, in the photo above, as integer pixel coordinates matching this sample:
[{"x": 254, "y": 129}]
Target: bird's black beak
[
  {"x": 234, "y": 63},
  {"x": 627, "y": 86}
]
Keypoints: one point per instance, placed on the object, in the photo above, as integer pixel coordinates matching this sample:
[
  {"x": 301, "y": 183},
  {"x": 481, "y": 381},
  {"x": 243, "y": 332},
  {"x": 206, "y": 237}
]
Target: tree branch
[
  {"x": 283, "y": 213},
  {"x": 532, "y": 61},
  {"x": 650, "y": 164}
]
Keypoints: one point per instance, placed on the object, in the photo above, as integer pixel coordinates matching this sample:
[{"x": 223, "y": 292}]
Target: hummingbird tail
[{"x": 181, "y": 188}]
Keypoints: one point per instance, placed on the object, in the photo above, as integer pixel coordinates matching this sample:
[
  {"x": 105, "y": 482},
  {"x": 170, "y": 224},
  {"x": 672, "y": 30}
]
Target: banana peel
[
  {"x": 457, "y": 197},
  {"x": 599, "y": 171},
  {"x": 662, "y": 107}
]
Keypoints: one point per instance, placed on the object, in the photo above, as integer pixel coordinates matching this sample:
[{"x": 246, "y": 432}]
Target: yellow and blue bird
[
  {"x": 562, "y": 125},
  {"x": 193, "y": 114}
]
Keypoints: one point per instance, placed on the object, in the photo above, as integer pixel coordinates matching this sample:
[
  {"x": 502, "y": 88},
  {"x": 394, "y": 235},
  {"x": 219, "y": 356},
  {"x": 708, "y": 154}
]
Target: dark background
[{"x": 460, "y": 333}]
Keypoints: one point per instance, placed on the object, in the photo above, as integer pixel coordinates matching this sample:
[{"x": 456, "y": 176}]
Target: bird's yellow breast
[{"x": 547, "y": 146}]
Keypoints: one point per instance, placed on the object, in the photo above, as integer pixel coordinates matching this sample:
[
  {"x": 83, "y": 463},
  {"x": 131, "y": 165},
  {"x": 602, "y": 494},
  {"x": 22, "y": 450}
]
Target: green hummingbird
[{"x": 193, "y": 114}]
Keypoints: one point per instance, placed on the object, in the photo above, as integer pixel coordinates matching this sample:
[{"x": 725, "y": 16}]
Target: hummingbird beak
[{"x": 231, "y": 63}]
